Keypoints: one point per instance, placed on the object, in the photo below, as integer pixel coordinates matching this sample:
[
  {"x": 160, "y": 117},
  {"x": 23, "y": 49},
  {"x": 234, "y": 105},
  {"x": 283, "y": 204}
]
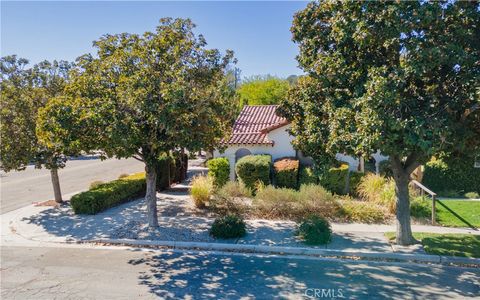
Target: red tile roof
[{"x": 253, "y": 124}]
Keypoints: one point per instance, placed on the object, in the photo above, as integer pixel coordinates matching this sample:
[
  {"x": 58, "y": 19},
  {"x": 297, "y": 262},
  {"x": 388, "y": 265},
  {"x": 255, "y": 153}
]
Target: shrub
[
  {"x": 164, "y": 175},
  {"x": 229, "y": 226},
  {"x": 472, "y": 195},
  {"x": 450, "y": 193},
  {"x": 95, "y": 184},
  {"x": 109, "y": 194},
  {"x": 286, "y": 172},
  {"x": 315, "y": 230},
  {"x": 307, "y": 176},
  {"x": 180, "y": 166},
  {"x": 369, "y": 165},
  {"x": 362, "y": 212},
  {"x": 452, "y": 175},
  {"x": 420, "y": 207},
  {"x": 335, "y": 179},
  {"x": 201, "y": 191},
  {"x": 385, "y": 168},
  {"x": 252, "y": 169},
  {"x": 173, "y": 169},
  {"x": 219, "y": 170},
  {"x": 355, "y": 179}
]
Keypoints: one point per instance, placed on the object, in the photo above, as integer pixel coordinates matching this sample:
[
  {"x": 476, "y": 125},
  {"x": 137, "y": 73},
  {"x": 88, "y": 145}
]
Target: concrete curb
[{"x": 246, "y": 248}]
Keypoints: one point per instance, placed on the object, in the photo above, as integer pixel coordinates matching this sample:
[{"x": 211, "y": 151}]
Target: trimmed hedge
[
  {"x": 307, "y": 176},
  {"x": 335, "y": 179},
  {"x": 181, "y": 166},
  {"x": 286, "y": 172},
  {"x": 219, "y": 170},
  {"x": 251, "y": 169},
  {"x": 453, "y": 177},
  {"x": 109, "y": 194},
  {"x": 164, "y": 172}
]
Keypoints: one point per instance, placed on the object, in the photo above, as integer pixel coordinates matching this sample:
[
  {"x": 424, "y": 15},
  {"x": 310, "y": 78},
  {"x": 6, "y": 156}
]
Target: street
[
  {"x": 21, "y": 188},
  {"x": 104, "y": 273}
]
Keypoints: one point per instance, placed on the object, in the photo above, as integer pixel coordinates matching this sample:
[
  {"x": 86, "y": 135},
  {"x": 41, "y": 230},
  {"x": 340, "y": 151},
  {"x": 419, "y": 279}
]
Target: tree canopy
[
  {"x": 144, "y": 95},
  {"x": 402, "y": 78},
  {"x": 263, "y": 90},
  {"x": 24, "y": 91}
]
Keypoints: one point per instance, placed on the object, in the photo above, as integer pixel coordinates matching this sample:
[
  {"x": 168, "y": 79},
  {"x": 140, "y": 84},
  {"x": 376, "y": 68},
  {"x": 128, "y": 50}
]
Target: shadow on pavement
[{"x": 199, "y": 275}]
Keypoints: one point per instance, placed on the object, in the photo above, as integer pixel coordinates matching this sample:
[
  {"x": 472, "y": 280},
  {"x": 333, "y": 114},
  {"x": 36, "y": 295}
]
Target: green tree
[
  {"x": 145, "y": 95},
  {"x": 263, "y": 90},
  {"x": 292, "y": 79},
  {"x": 399, "y": 77},
  {"x": 24, "y": 93}
]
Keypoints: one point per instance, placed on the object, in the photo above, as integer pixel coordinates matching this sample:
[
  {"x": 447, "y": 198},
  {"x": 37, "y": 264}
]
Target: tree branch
[
  {"x": 412, "y": 162},
  {"x": 138, "y": 158},
  {"x": 396, "y": 164}
]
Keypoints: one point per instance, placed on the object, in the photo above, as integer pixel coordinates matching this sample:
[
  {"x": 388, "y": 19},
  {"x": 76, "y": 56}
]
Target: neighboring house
[{"x": 259, "y": 130}]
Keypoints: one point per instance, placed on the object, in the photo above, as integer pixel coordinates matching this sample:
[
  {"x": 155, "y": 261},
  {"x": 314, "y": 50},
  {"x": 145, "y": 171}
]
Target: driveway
[
  {"x": 104, "y": 273},
  {"x": 21, "y": 188}
]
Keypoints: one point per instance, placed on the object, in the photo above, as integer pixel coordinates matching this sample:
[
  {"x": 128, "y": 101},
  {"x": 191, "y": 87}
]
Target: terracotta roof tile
[{"x": 253, "y": 124}]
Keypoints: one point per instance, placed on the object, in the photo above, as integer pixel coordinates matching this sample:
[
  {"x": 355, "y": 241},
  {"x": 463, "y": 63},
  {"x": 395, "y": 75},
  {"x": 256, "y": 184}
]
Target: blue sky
[{"x": 258, "y": 32}]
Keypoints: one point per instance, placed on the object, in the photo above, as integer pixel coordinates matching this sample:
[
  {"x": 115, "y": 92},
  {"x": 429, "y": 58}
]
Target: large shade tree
[
  {"x": 144, "y": 95},
  {"x": 24, "y": 91},
  {"x": 263, "y": 90},
  {"x": 399, "y": 77}
]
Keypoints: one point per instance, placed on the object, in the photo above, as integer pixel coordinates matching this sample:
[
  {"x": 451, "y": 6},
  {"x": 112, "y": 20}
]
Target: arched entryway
[{"x": 241, "y": 153}]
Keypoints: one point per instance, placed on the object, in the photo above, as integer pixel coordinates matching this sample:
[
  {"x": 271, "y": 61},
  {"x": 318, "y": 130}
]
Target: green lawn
[
  {"x": 453, "y": 244},
  {"x": 467, "y": 210}
]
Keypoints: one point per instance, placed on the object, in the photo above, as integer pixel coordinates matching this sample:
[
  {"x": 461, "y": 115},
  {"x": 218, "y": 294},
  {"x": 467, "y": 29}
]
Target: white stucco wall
[
  {"x": 354, "y": 162},
  {"x": 282, "y": 147}
]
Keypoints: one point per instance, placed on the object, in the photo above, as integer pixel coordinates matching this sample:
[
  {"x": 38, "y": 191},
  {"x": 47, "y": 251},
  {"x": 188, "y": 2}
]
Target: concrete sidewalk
[{"x": 180, "y": 222}]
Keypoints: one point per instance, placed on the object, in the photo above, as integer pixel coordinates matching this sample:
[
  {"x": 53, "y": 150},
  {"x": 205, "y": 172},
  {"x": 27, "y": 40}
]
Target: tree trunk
[
  {"x": 56, "y": 185},
  {"x": 151, "y": 195},
  {"x": 401, "y": 176}
]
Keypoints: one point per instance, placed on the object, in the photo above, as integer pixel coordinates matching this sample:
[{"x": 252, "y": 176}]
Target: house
[{"x": 259, "y": 130}]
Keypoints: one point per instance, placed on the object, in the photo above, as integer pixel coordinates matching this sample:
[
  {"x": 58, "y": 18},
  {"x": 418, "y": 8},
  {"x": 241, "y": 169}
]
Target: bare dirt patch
[{"x": 47, "y": 203}]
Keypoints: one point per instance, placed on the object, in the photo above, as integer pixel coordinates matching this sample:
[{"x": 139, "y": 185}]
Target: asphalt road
[
  {"x": 86, "y": 273},
  {"x": 21, "y": 188}
]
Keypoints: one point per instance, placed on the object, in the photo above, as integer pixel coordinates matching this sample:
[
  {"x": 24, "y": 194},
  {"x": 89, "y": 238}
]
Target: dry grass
[
  {"x": 201, "y": 191},
  {"x": 283, "y": 203},
  {"x": 363, "y": 212},
  {"x": 379, "y": 190}
]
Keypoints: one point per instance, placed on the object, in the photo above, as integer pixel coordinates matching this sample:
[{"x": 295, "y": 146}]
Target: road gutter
[{"x": 293, "y": 251}]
